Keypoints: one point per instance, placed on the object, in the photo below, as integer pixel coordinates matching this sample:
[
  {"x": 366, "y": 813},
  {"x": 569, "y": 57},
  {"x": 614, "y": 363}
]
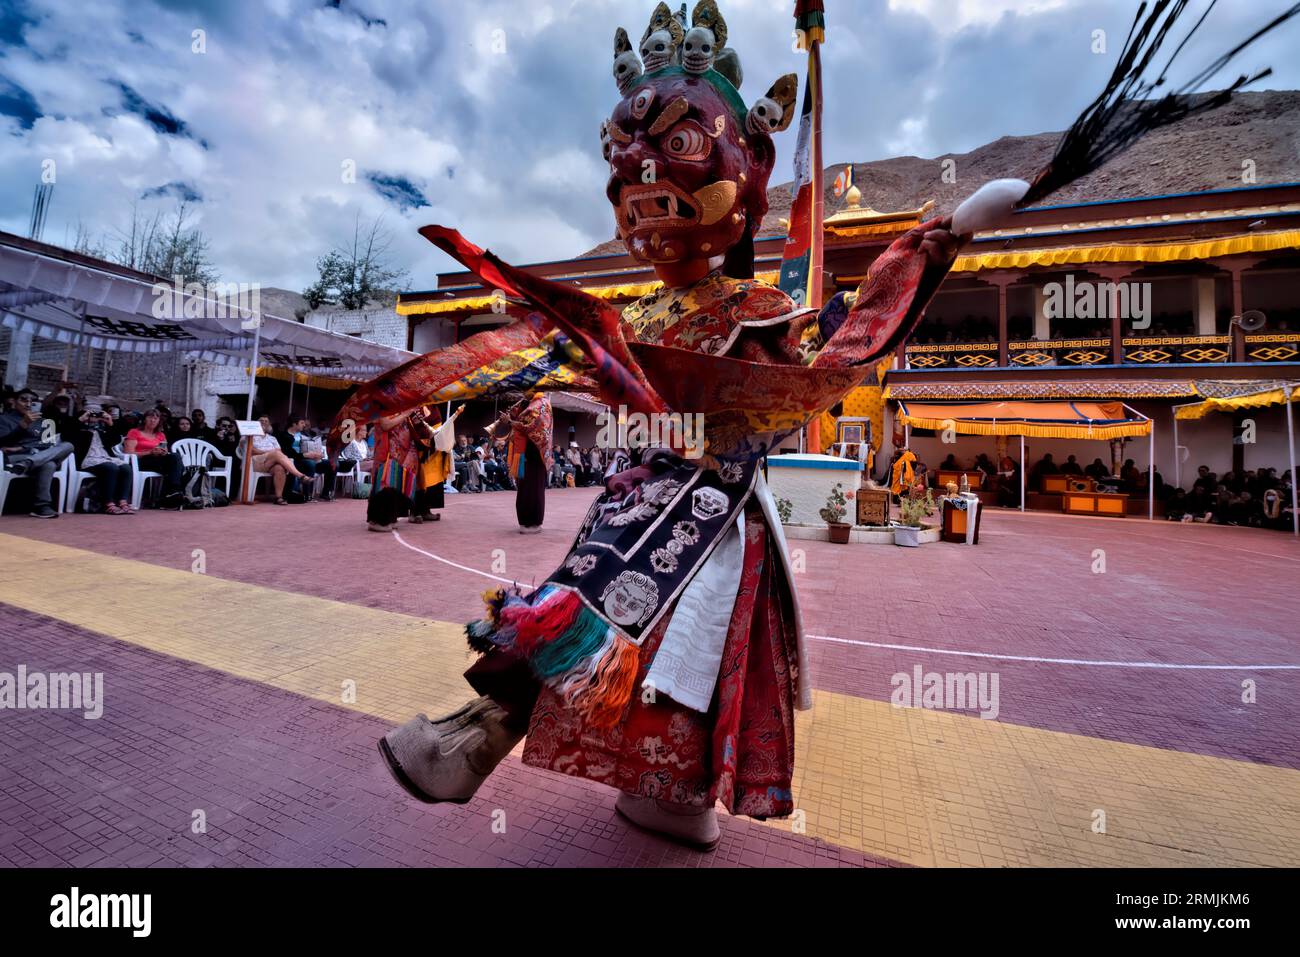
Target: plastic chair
[
  {"x": 249, "y": 493},
  {"x": 199, "y": 452},
  {"x": 61, "y": 475},
  {"x": 75, "y": 479},
  {"x": 350, "y": 477},
  {"x": 5, "y": 479},
  {"x": 138, "y": 478}
]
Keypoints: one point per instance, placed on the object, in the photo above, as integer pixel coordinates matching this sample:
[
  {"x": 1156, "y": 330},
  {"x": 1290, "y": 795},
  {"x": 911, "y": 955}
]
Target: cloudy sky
[{"x": 490, "y": 123}]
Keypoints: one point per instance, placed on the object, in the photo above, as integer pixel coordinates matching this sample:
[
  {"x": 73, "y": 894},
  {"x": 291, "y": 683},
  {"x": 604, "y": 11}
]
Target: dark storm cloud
[
  {"x": 182, "y": 191},
  {"x": 156, "y": 116},
  {"x": 398, "y": 190},
  {"x": 18, "y": 103},
  {"x": 350, "y": 8},
  {"x": 13, "y": 18}
]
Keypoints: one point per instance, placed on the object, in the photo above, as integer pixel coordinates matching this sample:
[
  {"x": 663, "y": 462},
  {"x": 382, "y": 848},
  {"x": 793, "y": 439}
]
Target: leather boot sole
[
  {"x": 704, "y": 846},
  {"x": 395, "y": 769}
]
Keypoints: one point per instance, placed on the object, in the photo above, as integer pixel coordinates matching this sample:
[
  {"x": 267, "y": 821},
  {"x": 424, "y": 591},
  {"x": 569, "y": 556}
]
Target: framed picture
[{"x": 852, "y": 433}]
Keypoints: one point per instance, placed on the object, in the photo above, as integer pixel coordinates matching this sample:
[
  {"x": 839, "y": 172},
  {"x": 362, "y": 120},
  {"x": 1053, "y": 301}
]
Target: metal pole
[
  {"x": 1290, "y": 440},
  {"x": 293, "y": 378},
  {"x": 1151, "y": 472},
  {"x": 252, "y": 372},
  {"x": 1178, "y": 465},
  {"x": 1022, "y": 472}
]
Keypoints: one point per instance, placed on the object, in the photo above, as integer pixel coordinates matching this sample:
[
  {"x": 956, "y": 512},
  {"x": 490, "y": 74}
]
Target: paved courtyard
[{"x": 1148, "y": 680}]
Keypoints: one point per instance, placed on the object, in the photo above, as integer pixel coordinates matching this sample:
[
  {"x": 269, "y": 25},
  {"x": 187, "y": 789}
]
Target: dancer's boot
[
  {"x": 695, "y": 826},
  {"x": 448, "y": 759}
]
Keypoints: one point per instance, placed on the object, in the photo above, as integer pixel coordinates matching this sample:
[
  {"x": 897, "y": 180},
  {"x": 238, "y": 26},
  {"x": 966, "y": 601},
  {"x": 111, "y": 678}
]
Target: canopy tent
[
  {"x": 90, "y": 303},
  {"x": 1056, "y": 420},
  {"x": 1233, "y": 396}
]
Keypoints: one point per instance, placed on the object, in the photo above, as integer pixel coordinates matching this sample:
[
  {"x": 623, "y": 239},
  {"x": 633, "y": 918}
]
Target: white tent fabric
[{"x": 90, "y": 303}]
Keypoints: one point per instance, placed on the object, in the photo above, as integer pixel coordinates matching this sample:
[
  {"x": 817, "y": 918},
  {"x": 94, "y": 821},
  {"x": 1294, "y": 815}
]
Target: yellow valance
[
  {"x": 1253, "y": 400},
  {"x": 302, "y": 378},
  {"x": 633, "y": 290},
  {"x": 1044, "y": 420},
  {"x": 1144, "y": 253}
]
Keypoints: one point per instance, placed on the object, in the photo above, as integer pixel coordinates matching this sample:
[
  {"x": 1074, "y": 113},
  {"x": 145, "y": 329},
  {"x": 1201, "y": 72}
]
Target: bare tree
[
  {"x": 169, "y": 248},
  {"x": 358, "y": 273}
]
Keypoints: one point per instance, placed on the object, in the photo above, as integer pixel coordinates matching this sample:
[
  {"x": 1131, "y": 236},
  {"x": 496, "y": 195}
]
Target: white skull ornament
[{"x": 698, "y": 49}]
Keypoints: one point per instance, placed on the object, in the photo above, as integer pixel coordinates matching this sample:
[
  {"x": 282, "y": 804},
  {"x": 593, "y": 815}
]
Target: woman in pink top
[{"x": 149, "y": 445}]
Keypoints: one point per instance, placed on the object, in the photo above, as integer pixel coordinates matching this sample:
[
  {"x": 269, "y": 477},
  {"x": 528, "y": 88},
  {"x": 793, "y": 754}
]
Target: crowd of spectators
[
  {"x": 483, "y": 465},
  {"x": 1254, "y": 497},
  {"x": 36, "y": 437}
]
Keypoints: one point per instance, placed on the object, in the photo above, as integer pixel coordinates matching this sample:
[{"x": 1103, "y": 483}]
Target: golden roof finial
[{"x": 853, "y": 198}]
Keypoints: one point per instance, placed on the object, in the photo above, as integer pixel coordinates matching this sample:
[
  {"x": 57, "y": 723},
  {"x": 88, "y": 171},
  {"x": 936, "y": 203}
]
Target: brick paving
[
  {"x": 284, "y": 780},
  {"x": 213, "y": 713}
]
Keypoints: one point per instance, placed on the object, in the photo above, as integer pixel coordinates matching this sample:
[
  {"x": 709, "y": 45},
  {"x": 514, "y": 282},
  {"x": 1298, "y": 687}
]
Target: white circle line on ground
[
  {"x": 935, "y": 651},
  {"x": 1057, "y": 661},
  {"x": 446, "y": 561}
]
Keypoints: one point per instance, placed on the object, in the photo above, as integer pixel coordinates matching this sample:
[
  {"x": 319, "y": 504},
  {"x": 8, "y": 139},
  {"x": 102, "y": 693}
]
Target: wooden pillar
[
  {"x": 1238, "y": 344},
  {"x": 1002, "y": 281},
  {"x": 1235, "y": 268},
  {"x": 1114, "y": 275}
]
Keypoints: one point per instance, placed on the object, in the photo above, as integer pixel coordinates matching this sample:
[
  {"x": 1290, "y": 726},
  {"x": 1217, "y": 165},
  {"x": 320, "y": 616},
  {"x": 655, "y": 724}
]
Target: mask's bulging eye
[
  {"x": 687, "y": 141},
  {"x": 642, "y": 103}
]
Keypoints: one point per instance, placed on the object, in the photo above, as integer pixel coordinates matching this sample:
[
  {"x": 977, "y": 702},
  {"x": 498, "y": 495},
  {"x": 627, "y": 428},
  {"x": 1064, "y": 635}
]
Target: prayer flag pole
[{"x": 801, "y": 260}]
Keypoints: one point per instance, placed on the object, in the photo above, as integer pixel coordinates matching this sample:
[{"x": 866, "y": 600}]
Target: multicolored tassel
[{"x": 568, "y": 646}]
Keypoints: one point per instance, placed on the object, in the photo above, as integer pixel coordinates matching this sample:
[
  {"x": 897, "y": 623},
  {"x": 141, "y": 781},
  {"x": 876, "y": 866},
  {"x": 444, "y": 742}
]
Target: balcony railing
[
  {"x": 953, "y": 355},
  {"x": 1136, "y": 350},
  {"x": 1273, "y": 347},
  {"x": 1060, "y": 352}
]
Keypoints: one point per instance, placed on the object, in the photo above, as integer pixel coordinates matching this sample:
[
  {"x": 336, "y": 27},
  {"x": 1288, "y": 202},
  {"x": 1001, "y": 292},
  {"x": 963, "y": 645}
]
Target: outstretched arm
[{"x": 891, "y": 298}]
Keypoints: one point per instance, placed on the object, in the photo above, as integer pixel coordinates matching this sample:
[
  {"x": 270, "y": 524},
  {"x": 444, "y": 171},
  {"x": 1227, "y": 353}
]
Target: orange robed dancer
[{"x": 664, "y": 657}]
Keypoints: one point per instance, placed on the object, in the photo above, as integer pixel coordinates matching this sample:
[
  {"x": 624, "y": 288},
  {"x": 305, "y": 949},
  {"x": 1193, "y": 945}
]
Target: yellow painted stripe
[{"x": 921, "y": 787}]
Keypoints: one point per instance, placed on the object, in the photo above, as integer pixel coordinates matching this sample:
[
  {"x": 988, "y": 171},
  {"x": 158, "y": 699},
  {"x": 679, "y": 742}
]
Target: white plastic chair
[
  {"x": 5, "y": 479},
  {"x": 61, "y": 475},
  {"x": 75, "y": 478},
  {"x": 349, "y": 477},
  {"x": 138, "y": 477},
  {"x": 248, "y": 494},
  {"x": 199, "y": 452}
]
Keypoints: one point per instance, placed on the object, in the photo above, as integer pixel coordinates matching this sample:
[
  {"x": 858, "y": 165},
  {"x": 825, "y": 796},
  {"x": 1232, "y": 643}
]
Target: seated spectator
[
  {"x": 112, "y": 472},
  {"x": 269, "y": 456},
  {"x": 226, "y": 436},
  {"x": 201, "y": 429},
  {"x": 469, "y": 465},
  {"x": 58, "y": 409},
  {"x": 1176, "y": 508},
  {"x": 1205, "y": 479},
  {"x": 1008, "y": 482},
  {"x": 308, "y": 457},
  {"x": 27, "y": 452},
  {"x": 573, "y": 458},
  {"x": 148, "y": 444},
  {"x": 1071, "y": 467},
  {"x": 358, "y": 450},
  {"x": 1129, "y": 476},
  {"x": 1044, "y": 467},
  {"x": 1097, "y": 470},
  {"x": 496, "y": 465},
  {"x": 182, "y": 428},
  {"x": 950, "y": 464}
]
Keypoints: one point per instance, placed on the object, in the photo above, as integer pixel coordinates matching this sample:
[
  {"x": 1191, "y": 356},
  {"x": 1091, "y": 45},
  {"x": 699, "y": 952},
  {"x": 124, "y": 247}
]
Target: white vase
[{"x": 908, "y": 536}]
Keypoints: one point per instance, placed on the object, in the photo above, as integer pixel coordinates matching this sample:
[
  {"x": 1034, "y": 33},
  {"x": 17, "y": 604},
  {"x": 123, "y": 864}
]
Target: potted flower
[
  {"x": 784, "y": 509},
  {"x": 912, "y": 508},
  {"x": 837, "y": 506}
]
